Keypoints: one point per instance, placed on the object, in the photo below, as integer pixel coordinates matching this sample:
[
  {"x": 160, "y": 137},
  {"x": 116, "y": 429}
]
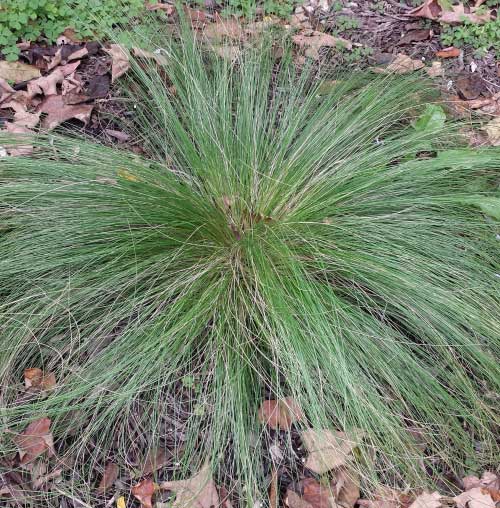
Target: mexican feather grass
[{"x": 275, "y": 241}]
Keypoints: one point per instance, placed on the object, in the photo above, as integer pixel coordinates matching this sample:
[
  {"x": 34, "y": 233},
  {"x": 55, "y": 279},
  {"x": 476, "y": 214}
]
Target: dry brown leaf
[
  {"x": 35, "y": 378},
  {"x": 492, "y": 129},
  {"x": 329, "y": 449},
  {"x": 402, "y": 64},
  {"x": 168, "y": 8},
  {"x": 59, "y": 57},
  {"x": 476, "y": 497},
  {"x": 5, "y": 88},
  {"x": 385, "y": 497},
  {"x": 431, "y": 9},
  {"x": 224, "y": 29},
  {"x": 313, "y": 40},
  {"x": 457, "y": 14},
  {"x": 155, "y": 459},
  {"x": 435, "y": 70},
  {"x": 280, "y": 414},
  {"x": 18, "y": 149},
  {"x": 58, "y": 112},
  {"x": 108, "y": 477},
  {"x": 311, "y": 494},
  {"x": 119, "y": 135},
  {"x": 346, "y": 487},
  {"x": 427, "y": 500},
  {"x": 449, "y": 53},
  {"x": 47, "y": 85},
  {"x": 17, "y": 71},
  {"x": 120, "y": 63},
  {"x": 199, "y": 491},
  {"x": 143, "y": 492},
  {"x": 35, "y": 440},
  {"x": 489, "y": 480}
]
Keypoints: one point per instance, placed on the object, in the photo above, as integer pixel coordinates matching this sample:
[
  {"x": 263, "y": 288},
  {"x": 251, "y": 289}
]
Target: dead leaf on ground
[
  {"x": 489, "y": 480},
  {"x": 143, "y": 492},
  {"x": 109, "y": 477},
  {"x": 346, "y": 485},
  {"x": 17, "y": 71},
  {"x": 148, "y": 55},
  {"x": 167, "y": 8},
  {"x": 17, "y": 149},
  {"x": 67, "y": 53},
  {"x": 155, "y": 459},
  {"x": 431, "y": 9},
  {"x": 476, "y": 497},
  {"x": 35, "y": 440},
  {"x": 416, "y": 36},
  {"x": 435, "y": 70},
  {"x": 280, "y": 414},
  {"x": 427, "y": 500},
  {"x": 58, "y": 112},
  {"x": 470, "y": 86},
  {"x": 120, "y": 63},
  {"x": 47, "y": 85},
  {"x": 449, "y": 53},
  {"x": 224, "y": 29},
  {"x": 329, "y": 449},
  {"x": 402, "y": 64},
  {"x": 384, "y": 497},
  {"x": 313, "y": 40},
  {"x": 35, "y": 377},
  {"x": 310, "y": 494},
  {"x": 199, "y": 491},
  {"x": 119, "y": 135},
  {"x": 492, "y": 129}
]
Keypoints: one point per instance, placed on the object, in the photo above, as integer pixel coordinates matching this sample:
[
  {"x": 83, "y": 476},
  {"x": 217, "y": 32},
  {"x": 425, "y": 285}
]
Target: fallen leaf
[
  {"x": 401, "y": 64},
  {"x": 143, "y": 492},
  {"x": 35, "y": 440},
  {"x": 119, "y": 135},
  {"x": 453, "y": 14},
  {"x": 427, "y": 500},
  {"x": 17, "y": 149},
  {"x": 435, "y": 70},
  {"x": 120, "y": 63},
  {"x": 281, "y": 413},
  {"x": 168, "y": 8},
  {"x": 67, "y": 53},
  {"x": 47, "y": 85},
  {"x": 384, "y": 497},
  {"x": 108, "y": 477},
  {"x": 5, "y": 88},
  {"x": 346, "y": 487},
  {"x": 120, "y": 502},
  {"x": 155, "y": 459},
  {"x": 313, "y": 40},
  {"x": 488, "y": 480},
  {"x": 58, "y": 112},
  {"x": 311, "y": 494},
  {"x": 224, "y": 29},
  {"x": 470, "y": 86},
  {"x": 329, "y": 449},
  {"x": 492, "y": 129},
  {"x": 449, "y": 53},
  {"x": 198, "y": 491},
  {"x": 17, "y": 71},
  {"x": 474, "y": 498},
  {"x": 415, "y": 36},
  {"x": 34, "y": 377}
]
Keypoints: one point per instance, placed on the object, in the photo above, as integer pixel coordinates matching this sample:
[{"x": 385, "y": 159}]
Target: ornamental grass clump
[{"x": 272, "y": 241}]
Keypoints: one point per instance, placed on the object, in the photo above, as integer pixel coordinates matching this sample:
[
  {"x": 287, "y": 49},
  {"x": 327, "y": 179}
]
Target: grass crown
[{"x": 273, "y": 241}]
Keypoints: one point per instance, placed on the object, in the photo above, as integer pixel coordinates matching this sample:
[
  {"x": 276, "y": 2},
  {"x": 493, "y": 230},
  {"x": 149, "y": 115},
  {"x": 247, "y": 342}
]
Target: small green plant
[
  {"x": 248, "y": 8},
  {"x": 345, "y": 23},
  {"x": 27, "y": 20},
  {"x": 482, "y": 37}
]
